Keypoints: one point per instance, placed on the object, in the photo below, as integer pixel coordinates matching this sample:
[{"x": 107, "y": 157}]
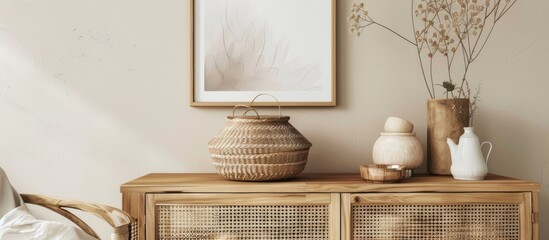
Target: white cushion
[
  {"x": 9, "y": 198},
  {"x": 17, "y": 223}
]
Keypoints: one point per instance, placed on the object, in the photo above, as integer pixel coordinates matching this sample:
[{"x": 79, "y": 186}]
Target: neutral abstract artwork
[{"x": 246, "y": 47}]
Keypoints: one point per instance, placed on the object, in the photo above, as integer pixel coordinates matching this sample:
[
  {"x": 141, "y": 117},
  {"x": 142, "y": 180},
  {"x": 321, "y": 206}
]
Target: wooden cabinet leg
[{"x": 134, "y": 204}]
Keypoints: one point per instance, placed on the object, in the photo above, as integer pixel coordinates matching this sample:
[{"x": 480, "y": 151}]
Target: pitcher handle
[{"x": 489, "y": 151}]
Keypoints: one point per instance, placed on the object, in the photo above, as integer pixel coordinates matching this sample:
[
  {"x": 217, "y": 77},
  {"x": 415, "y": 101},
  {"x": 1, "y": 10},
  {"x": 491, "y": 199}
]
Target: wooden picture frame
[{"x": 241, "y": 48}]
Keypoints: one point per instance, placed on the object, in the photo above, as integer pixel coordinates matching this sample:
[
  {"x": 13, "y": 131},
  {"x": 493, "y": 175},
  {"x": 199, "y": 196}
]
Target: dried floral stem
[
  {"x": 506, "y": 9},
  {"x": 391, "y": 30},
  {"x": 418, "y": 47},
  {"x": 474, "y": 106},
  {"x": 450, "y": 28}
]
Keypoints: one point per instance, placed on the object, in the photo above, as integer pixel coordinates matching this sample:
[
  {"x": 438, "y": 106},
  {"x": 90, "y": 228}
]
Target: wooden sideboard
[{"x": 332, "y": 206}]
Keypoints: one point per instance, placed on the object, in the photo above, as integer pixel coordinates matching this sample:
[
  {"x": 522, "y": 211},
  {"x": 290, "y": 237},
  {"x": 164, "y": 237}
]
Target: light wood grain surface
[
  {"x": 142, "y": 195},
  {"x": 345, "y": 224},
  {"x": 255, "y": 199},
  {"x": 134, "y": 204},
  {"x": 437, "y": 198},
  {"x": 535, "y": 215},
  {"x": 322, "y": 183}
]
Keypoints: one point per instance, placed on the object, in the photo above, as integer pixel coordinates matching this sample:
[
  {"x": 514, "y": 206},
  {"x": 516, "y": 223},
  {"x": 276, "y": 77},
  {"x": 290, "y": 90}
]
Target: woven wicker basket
[{"x": 259, "y": 148}]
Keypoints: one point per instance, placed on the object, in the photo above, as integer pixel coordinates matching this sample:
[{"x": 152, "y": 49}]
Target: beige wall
[{"x": 95, "y": 93}]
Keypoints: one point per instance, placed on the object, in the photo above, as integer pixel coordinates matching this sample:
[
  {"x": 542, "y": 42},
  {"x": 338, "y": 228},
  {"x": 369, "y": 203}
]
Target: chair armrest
[{"x": 123, "y": 224}]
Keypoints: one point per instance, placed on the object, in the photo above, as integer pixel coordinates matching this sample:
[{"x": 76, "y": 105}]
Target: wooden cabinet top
[{"x": 320, "y": 183}]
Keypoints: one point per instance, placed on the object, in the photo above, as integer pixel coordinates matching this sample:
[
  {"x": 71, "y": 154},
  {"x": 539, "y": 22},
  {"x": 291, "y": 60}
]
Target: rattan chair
[{"x": 124, "y": 226}]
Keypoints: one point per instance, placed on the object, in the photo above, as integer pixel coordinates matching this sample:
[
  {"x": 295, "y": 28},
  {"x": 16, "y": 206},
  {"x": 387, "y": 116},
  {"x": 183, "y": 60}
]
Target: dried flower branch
[
  {"x": 474, "y": 106},
  {"x": 450, "y": 31}
]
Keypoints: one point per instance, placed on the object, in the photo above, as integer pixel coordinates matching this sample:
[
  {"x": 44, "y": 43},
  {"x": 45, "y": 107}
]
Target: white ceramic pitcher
[{"x": 467, "y": 160}]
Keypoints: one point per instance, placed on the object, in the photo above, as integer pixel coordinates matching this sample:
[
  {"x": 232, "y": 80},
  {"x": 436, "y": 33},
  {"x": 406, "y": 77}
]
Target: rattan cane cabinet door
[
  {"x": 243, "y": 216},
  {"x": 463, "y": 216}
]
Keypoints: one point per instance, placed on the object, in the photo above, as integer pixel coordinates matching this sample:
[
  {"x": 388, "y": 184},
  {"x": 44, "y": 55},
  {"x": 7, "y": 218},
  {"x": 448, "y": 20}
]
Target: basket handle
[
  {"x": 248, "y": 108},
  {"x": 265, "y": 94}
]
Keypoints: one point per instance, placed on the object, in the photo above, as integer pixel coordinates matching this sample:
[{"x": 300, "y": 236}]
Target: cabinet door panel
[
  {"x": 242, "y": 216},
  {"x": 498, "y": 216}
]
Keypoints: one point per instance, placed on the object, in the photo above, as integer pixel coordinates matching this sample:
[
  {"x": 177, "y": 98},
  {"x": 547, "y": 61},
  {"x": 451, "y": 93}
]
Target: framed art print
[{"x": 245, "y": 47}]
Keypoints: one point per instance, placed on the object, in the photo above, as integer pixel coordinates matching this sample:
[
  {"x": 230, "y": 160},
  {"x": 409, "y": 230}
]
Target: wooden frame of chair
[{"x": 124, "y": 226}]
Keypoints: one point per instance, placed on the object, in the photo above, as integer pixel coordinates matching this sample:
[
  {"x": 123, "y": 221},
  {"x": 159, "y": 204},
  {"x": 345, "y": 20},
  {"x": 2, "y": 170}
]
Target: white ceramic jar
[{"x": 398, "y": 148}]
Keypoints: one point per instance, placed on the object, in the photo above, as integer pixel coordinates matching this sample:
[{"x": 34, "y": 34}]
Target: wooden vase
[{"x": 446, "y": 119}]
